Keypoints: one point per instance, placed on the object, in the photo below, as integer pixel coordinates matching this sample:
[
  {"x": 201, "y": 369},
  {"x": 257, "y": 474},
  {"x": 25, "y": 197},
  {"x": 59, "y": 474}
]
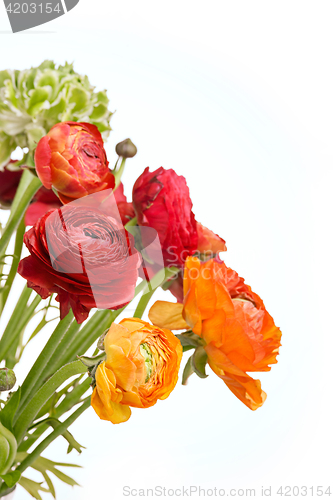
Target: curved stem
[
  {"x": 28, "y": 186},
  {"x": 142, "y": 304},
  {"x": 12, "y": 331},
  {"x": 132, "y": 222},
  {"x": 118, "y": 173},
  {"x": 15, "y": 262}
]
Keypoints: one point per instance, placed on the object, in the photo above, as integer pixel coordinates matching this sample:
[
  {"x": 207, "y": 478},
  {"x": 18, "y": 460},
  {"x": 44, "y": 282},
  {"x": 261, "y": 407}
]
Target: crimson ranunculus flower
[
  {"x": 43, "y": 201},
  {"x": 71, "y": 158},
  {"x": 82, "y": 254},
  {"x": 161, "y": 200},
  {"x": 9, "y": 181}
]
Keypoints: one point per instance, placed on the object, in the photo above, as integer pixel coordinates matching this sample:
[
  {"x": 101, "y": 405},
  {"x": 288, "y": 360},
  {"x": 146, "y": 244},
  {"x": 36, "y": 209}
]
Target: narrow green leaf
[
  {"x": 51, "y": 437},
  {"x": 32, "y": 487},
  {"x": 44, "y": 394},
  {"x": 199, "y": 361},
  {"x": 188, "y": 370},
  {"x": 49, "y": 483}
]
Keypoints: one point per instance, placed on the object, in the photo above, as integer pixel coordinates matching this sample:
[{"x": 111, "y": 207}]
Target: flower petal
[{"x": 167, "y": 315}]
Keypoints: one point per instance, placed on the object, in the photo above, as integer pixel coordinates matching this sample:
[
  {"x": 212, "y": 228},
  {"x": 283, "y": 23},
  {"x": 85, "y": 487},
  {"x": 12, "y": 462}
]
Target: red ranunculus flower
[
  {"x": 43, "y": 201},
  {"x": 161, "y": 200},
  {"x": 71, "y": 158},
  {"x": 84, "y": 255},
  {"x": 9, "y": 181}
]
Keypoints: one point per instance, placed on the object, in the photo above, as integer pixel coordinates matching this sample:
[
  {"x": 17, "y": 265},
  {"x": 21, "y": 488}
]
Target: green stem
[
  {"x": 15, "y": 262},
  {"x": 91, "y": 331},
  {"x": 72, "y": 398},
  {"x": 43, "y": 395},
  {"x": 17, "y": 338},
  {"x": 51, "y": 437},
  {"x": 142, "y": 304},
  {"x": 132, "y": 222},
  {"x": 118, "y": 173},
  {"x": 59, "y": 355},
  {"x": 34, "y": 379},
  {"x": 12, "y": 331},
  {"x": 28, "y": 186}
]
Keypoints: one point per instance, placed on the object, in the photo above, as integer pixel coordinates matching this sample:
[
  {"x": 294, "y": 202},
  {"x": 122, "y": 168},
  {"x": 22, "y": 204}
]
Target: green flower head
[{"x": 33, "y": 100}]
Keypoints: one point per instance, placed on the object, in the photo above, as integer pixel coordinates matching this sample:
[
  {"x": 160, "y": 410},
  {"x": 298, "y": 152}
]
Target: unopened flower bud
[
  {"x": 126, "y": 149},
  {"x": 7, "y": 379}
]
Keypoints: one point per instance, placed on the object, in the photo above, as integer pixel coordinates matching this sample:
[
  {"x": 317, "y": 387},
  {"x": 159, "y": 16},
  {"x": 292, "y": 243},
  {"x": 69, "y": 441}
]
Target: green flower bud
[
  {"x": 7, "y": 379},
  {"x": 126, "y": 149}
]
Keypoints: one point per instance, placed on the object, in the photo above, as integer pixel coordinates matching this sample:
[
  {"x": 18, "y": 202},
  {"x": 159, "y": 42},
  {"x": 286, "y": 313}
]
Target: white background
[{"x": 237, "y": 96}]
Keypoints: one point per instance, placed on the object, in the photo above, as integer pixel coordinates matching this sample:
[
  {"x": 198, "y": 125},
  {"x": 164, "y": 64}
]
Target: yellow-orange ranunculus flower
[
  {"x": 239, "y": 335},
  {"x": 142, "y": 364}
]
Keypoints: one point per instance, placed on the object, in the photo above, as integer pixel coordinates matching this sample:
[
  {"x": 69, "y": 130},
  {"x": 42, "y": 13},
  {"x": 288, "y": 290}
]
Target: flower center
[
  {"x": 148, "y": 357},
  {"x": 91, "y": 233}
]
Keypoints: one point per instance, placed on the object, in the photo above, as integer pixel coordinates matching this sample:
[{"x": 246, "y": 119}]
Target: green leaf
[
  {"x": 32, "y": 487},
  {"x": 187, "y": 347},
  {"x": 80, "y": 98},
  {"x": 49, "y": 483},
  {"x": 6, "y": 149},
  {"x": 99, "y": 111},
  {"x": 5, "y": 75},
  {"x": 43, "y": 465},
  {"x": 37, "y": 100},
  {"x": 44, "y": 394},
  {"x": 199, "y": 361},
  {"x": 189, "y": 340},
  {"x": 34, "y": 133},
  {"x": 7, "y": 414},
  {"x": 92, "y": 361},
  {"x": 30, "y": 459},
  {"x": 11, "y": 478},
  {"x": 188, "y": 370}
]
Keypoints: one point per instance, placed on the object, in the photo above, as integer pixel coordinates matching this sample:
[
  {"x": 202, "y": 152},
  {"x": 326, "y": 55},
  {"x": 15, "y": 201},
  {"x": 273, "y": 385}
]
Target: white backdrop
[{"x": 237, "y": 97}]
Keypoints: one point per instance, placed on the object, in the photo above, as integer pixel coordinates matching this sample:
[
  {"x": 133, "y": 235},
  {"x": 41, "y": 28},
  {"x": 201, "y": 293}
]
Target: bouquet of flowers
[{"x": 85, "y": 253}]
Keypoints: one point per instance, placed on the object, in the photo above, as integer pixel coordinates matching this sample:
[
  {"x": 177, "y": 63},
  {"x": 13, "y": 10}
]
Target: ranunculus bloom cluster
[
  {"x": 141, "y": 367},
  {"x": 239, "y": 334},
  {"x": 83, "y": 255},
  {"x": 161, "y": 200},
  {"x": 71, "y": 159}
]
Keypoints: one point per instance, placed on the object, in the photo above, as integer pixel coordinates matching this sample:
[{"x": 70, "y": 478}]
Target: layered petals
[
  {"x": 161, "y": 200},
  {"x": 238, "y": 333},
  {"x": 84, "y": 256},
  {"x": 142, "y": 364},
  {"x": 71, "y": 159}
]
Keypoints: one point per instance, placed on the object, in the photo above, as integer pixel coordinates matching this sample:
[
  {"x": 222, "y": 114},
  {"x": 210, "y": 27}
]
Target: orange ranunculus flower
[
  {"x": 71, "y": 159},
  {"x": 239, "y": 334},
  {"x": 142, "y": 364}
]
